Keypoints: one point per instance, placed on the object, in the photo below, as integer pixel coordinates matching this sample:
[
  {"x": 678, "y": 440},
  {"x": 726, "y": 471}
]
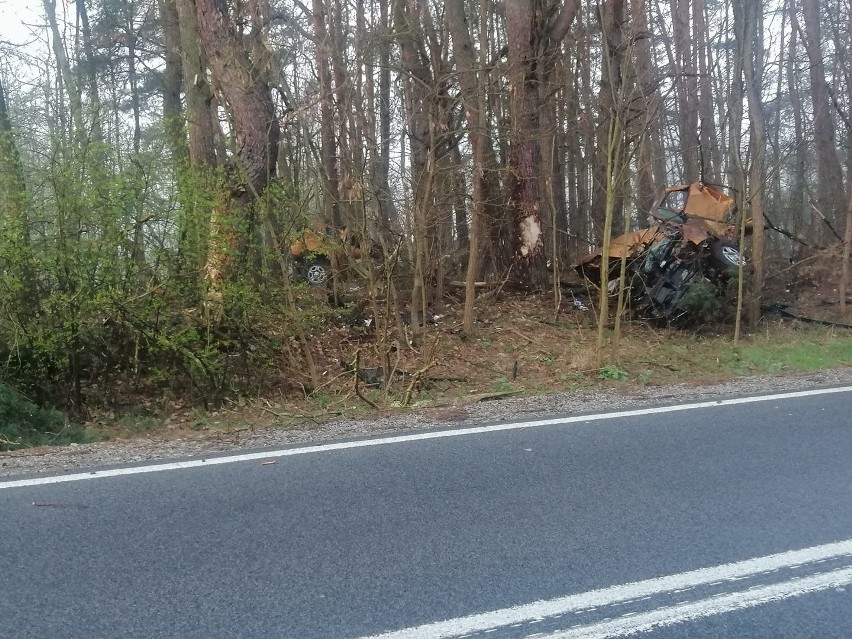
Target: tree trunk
[
  {"x": 649, "y": 102},
  {"x": 418, "y": 93},
  {"x": 710, "y": 154},
  {"x": 524, "y": 161},
  {"x": 686, "y": 85},
  {"x": 200, "y": 117},
  {"x": 240, "y": 68},
  {"x": 832, "y": 194},
  {"x": 69, "y": 80},
  {"x": 749, "y": 31},
  {"x": 90, "y": 72},
  {"x": 173, "y": 114},
  {"x": 328, "y": 141},
  {"x": 532, "y": 38},
  {"x": 798, "y": 195},
  {"x": 472, "y": 86}
]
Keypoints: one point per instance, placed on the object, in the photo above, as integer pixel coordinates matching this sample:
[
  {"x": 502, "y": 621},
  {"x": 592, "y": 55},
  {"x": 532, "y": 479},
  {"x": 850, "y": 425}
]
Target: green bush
[
  {"x": 23, "y": 424},
  {"x": 702, "y": 301},
  {"x": 611, "y": 371}
]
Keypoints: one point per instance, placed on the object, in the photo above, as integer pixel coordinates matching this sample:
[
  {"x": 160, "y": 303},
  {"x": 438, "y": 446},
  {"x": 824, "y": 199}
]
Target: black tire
[
  {"x": 316, "y": 271},
  {"x": 725, "y": 255}
]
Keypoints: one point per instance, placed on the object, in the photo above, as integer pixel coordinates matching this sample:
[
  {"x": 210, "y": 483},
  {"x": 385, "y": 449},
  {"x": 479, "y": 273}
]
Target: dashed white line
[{"x": 398, "y": 439}]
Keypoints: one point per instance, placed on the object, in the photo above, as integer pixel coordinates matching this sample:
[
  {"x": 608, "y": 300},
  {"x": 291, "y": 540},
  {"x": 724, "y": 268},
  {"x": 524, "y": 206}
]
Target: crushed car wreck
[{"x": 686, "y": 257}]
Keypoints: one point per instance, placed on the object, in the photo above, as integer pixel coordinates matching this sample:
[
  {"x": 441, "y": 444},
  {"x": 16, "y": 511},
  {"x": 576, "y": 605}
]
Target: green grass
[
  {"x": 795, "y": 356},
  {"x": 676, "y": 356}
]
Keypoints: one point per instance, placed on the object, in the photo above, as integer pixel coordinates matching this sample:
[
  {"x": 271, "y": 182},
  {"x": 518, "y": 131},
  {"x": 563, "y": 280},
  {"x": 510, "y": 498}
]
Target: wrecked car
[
  {"x": 683, "y": 263},
  {"x": 312, "y": 249}
]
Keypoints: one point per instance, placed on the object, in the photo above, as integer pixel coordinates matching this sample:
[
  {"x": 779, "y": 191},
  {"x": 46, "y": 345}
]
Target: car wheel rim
[
  {"x": 731, "y": 255},
  {"x": 317, "y": 274}
]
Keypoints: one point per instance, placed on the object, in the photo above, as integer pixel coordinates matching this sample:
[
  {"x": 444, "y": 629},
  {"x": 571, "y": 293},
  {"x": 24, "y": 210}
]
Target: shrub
[{"x": 23, "y": 424}]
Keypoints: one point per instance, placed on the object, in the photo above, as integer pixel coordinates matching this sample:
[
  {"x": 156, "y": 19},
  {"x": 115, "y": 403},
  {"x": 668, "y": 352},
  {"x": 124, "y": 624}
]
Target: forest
[{"x": 203, "y": 198}]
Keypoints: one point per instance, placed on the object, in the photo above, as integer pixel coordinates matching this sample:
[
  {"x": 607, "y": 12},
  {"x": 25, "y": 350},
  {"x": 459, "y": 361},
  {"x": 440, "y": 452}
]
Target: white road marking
[
  {"x": 413, "y": 437},
  {"x": 670, "y": 615},
  {"x": 453, "y": 628}
]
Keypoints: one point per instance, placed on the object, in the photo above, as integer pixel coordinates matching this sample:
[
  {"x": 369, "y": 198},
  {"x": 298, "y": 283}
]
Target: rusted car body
[{"x": 693, "y": 239}]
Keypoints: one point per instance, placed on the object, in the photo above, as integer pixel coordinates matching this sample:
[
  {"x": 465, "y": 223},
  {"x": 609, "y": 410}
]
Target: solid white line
[
  {"x": 668, "y": 616},
  {"x": 607, "y": 596},
  {"x": 398, "y": 439}
]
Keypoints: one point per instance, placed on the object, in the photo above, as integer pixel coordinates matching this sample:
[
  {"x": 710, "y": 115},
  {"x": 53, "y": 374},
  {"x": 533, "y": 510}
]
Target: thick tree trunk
[
  {"x": 524, "y": 161},
  {"x": 244, "y": 82},
  {"x": 532, "y": 39},
  {"x": 200, "y": 117}
]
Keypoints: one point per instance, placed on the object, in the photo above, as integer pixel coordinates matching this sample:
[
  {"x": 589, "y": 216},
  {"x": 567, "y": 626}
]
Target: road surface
[{"x": 729, "y": 518}]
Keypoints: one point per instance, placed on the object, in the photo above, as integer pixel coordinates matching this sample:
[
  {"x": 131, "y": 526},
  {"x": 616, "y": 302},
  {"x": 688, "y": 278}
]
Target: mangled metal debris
[{"x": 691, "y": 247}]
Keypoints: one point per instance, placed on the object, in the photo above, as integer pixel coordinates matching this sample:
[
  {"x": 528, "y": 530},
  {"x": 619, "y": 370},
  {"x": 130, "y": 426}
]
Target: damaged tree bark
[{"x": 240, "y": 67}]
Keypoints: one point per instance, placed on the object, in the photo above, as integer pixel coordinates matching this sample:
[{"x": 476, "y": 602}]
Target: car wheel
[
  {"x": 725, "y": 255},
  {"x": 317, "y": 271}
]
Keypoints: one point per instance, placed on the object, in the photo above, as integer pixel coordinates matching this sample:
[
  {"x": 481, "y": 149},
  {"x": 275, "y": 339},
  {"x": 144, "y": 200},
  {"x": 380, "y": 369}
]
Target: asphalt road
[{"x": 358, "y": 541}]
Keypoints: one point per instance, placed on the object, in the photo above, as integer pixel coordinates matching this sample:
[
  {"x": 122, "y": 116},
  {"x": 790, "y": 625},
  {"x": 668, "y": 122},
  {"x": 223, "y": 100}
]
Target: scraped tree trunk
[
  {"x": 533, "y": 31},
  {"x": 240, "y": 68}
]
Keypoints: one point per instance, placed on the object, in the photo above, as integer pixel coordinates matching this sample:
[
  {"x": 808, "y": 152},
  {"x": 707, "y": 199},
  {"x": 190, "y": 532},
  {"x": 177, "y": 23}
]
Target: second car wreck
[{"x": 690, "y": 250}]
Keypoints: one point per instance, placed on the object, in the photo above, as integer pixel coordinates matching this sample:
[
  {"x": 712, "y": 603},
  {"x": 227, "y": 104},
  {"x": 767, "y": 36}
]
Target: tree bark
[
  {"x": 240, "y": 69},
  {"x": 200, "y": 117},
  {"x": 531, "y": 39}
]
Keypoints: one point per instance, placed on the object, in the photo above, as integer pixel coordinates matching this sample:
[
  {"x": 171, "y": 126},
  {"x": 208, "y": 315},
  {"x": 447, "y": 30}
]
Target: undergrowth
[{"x": 23, "y": 424}]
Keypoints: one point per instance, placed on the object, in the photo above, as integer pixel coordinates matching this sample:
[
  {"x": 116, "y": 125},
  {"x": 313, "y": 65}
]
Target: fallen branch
[
  {"x": 827, "y": 223},
  {"x": 7, "y": 442},
  {"x": 415, "y": 379},
  {"x": 796, "y": 237}
]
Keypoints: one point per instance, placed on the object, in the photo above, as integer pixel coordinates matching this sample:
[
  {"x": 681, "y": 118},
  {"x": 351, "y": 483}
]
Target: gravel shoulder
[{"x": 60, "y": 459}]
